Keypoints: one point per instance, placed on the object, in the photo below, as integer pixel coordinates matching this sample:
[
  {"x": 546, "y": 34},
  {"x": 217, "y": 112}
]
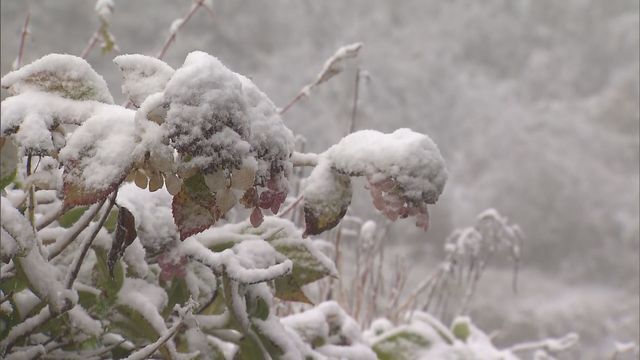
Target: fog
[{"x": 533, "y": 104}]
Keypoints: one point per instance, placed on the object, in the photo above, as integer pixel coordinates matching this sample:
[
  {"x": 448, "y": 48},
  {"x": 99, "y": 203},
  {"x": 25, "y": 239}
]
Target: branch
[
  {"x": 290, "y": 207},
  {"x": 174, "y": 31},
  {"x": 23, "y": 40},
  {"x": 304, "y": 159},
  {"x": 550, "y": 345},
  {"x": 77, "y": 261},
  {"x": 150, "y": 349},
  {"x": 49, "y": 217},
  {"x": 75, "y": 230},
  {"x": 331, "y": 67},
  {"x": 24, "y": 328},
  {"x": 354, "y": 109},
  {"x": 92, "y": 42}
]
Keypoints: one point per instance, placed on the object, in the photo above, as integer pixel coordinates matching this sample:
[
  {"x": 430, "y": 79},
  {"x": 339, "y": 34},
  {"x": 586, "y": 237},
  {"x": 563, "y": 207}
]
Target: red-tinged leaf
[
  {"x": 194, "y": 207},
  {"x": 76, "y": 195},
  {"x": 125, "y": 235},
  {"x": 266, "y": 199},
  {"x": 256, "y": 217}
]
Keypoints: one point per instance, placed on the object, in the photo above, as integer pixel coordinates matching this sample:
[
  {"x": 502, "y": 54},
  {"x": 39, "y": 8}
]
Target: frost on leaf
[
  {"x": 68, "y": 76},
  {"x": 143, "y": 76},
  {"x": 194, "y": 207},
  {"x": 99, "y": 155},
  {"x": 404, "y": 170},
  {"x": 327, "y": 195}
]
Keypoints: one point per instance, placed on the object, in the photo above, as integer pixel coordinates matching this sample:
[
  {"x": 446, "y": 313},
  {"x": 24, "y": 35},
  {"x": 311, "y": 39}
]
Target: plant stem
[
  {"x": 77, "y": 261},
  {"x": 23, "y": 40},
  {"x": 92, "y": 42},
  {"x": 354, "y": 109},
  {"x": 172, "y": 37}
]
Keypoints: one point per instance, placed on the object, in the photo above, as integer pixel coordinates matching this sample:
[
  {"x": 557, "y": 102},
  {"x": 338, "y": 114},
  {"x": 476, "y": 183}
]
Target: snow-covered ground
[{"x": 533, "y": 104}]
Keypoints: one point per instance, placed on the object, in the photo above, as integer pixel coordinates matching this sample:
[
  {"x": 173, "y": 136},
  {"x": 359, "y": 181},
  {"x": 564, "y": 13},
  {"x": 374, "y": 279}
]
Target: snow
[
  {"x": 34, "y": 114},
  {"x": 81, "y": 320},
  {"x": 104, "y": 9},
  {"x": 65, "y": 75},
  {"x": 104, "y": 148},
  {"x": 239, "y": 262},
  {"x": 143, "y": 76},
  {"x": 152, "y": 211},
  {"x": 207, "y": 117},
  {"x": 410, "y": 158},
  {"x": 25, "y": 302}
]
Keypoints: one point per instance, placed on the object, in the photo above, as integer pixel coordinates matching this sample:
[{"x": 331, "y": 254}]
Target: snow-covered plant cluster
[{"x": 157, "y": 228}]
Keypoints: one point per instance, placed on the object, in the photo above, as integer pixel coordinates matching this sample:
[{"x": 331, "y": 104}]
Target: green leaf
[
  {"x": 65, "y": 75},
  {"x": 307, "y": 268},
  {"x": 112, "y": 220},
  {"x": 110, "y": 285},
  {"x": 194, "y": 207},
  {"x": 327, "y": 196},
  {"x": 134, "y": 326},
  {"x": 401, "y": 344},
  {"x": 8, "y": 161},
  {"x": 70, "y": 217}
]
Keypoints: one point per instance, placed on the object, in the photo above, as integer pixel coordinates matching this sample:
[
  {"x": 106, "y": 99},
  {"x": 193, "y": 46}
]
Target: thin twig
[
  {"x": 25, "y": 328},
  {"x": 354, "y": 109},
  {"x": 50, "y": 217},
  {"x": 23, "y": 40},
  {"x": 75, "y": 230},
  {"x": 290, "y": 207},
  {"x": 172, "y": 36},
  {"x": 91, "y": 44},
  {"x": 77, "y": 261}
]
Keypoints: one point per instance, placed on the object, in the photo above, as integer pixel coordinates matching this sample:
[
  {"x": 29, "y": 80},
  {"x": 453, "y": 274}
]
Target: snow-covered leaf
[
  {"x": 194, "y": 207},
  {"x": 65, "y": 75},
  {"x": 124, "y": 236},
  {"x": 327, "y": 195},
  {"x": 143, "y": 76},
  {"x": 99, "y": 155},
  {"x": 8, "y": 161},
  {"x": 404, "y": 170}
]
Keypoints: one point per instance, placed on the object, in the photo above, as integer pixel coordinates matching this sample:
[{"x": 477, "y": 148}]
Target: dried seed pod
[
  {"x": 155, "y": 181},
  {"x": 141, "y": 179},
  {"x": 173, "y": 183}
]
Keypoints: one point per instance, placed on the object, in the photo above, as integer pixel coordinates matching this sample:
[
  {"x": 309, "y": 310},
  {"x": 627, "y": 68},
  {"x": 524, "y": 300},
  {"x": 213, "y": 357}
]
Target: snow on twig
[{"x": 331, "y": 67}]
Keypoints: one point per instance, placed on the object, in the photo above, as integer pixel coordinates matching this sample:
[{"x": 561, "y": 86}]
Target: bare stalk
[
  {"x": 91, "y": 44},
  {"x": 292, "y": 206},
  {"x": 172, "y": 36},
  {"x": 77, "y": 261},
  {"x": 354, "y": 108},
  {"x": 75, "y": 230},
  {"x": 23, "y": 40}
]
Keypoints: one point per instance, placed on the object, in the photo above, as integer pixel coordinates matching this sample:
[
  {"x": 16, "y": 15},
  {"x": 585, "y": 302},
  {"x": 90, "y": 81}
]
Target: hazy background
[{"x": 534, "y": 105}]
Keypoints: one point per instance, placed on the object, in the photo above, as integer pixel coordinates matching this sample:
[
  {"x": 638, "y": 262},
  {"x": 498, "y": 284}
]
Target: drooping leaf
[
  {"x": 64, "y": 75},
  {"x": 124, "y": 236},
  {"x": 8, "y": 161},
  {"x": 327, "y": 196},
  {"x": 194, "y": 207}
]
